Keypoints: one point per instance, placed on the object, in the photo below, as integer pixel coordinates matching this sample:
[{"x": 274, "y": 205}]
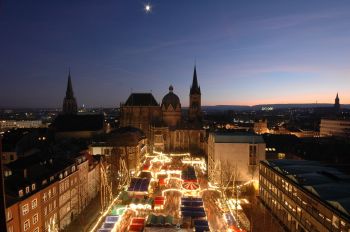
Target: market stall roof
[
  {"x": 159, "y": 220},
  {"x": 139, "y": 185},
  {"x": 201, "y": 225},
  {"x": 190, "y": 186}
]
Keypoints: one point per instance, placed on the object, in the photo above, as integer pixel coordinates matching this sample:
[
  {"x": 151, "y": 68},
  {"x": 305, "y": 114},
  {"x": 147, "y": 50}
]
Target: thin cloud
[{"x": 287, "y": 21}]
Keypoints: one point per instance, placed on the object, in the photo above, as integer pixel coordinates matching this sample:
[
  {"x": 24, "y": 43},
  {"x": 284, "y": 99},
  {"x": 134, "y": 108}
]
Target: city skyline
[{"x": 262, "y": 53}]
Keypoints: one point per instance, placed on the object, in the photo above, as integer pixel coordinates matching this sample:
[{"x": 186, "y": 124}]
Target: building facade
[
  {"x": 234, "y": 155},
  {"x": 69, "y": 198},
  {"x": 49, "y": 206},
  {"x": 334, "y": 127},
  {"x": 12, "y": 218},
  {"x": 305, "y": 195}
]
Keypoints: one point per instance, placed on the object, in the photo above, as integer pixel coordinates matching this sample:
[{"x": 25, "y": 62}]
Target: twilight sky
[{"x": 247, "y": 52}]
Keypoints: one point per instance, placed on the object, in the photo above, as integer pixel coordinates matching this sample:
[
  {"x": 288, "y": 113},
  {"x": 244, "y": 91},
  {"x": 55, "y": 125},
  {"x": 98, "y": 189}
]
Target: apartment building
[
  {"x": 43, "y": 193},
  {"x": 305, "y": 195}
]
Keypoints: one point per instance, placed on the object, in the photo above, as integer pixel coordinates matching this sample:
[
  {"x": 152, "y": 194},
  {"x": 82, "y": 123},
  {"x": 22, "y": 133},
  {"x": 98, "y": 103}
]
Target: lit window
[
  {"x": 27, "y": 189},
  {"x": 44, "y": 197},
  {"x": 45, "y": 211},
  {"x": 25, "y": 209},
  {"x": 20, "y": 193},
  {"x": 26, "y": 225},
  {"x": 33, "y": 187},
  {"x": 35, "y": 218},
  {"x": 49, "y": 193},
  {"x": 53, "y": 190},
  {"x": 34, "y": 203}
]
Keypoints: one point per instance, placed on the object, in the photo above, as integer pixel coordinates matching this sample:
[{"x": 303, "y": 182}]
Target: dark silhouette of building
[
  {"x": 337, "y": 104},
  {"x": 195, "y": 99},
  {"x": 69, "y": 102},
  {"x": 70, "y": 124}
]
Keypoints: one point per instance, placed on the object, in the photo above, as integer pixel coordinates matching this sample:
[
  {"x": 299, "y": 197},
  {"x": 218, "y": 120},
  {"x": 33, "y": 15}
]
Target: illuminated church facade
[{"x": 164, "y": 125}]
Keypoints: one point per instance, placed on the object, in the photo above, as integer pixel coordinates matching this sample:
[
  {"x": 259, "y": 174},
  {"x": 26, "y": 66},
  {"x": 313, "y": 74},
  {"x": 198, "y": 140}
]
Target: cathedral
[{"x": 164, "y": 125}]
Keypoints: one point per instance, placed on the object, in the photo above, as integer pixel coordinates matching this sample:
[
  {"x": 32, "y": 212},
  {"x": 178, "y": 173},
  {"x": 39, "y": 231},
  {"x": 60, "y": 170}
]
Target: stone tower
[
  {"x": 69, "y": 102},
  {"x": 194, "y": 111}
]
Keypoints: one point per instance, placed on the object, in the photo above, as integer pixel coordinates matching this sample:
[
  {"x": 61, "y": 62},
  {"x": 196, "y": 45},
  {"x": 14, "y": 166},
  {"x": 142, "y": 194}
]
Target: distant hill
[{"x": 274, "y": 106}]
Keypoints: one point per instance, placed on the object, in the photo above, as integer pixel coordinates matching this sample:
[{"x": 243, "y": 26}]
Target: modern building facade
[
  {"x": 233, "y": 152},
  {"x": 305, "y": 195},
  {"x": 334, "y": 127}
]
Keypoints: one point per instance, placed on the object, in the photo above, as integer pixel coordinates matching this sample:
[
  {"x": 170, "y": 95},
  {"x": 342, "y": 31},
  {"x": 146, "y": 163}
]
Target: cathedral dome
[{"x": 171, "y": 99}]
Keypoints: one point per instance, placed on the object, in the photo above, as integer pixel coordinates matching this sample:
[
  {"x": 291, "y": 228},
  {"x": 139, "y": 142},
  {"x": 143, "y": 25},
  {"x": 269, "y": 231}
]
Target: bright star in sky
[{"x": 148, "y": 8}]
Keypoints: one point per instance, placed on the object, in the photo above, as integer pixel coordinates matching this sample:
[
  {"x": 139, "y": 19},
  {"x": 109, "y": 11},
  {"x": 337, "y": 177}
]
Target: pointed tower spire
[
  {"x": 337, "y": 103},
  {"x": 69, "y": 91},
  {"x": 195, "y": 99},
  {"x": 69, "y": 102},
  {"x": 195, "y": 89}
]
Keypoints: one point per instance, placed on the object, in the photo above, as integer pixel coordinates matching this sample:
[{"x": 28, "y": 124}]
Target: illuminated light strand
[{"x": 104, "y": 214}]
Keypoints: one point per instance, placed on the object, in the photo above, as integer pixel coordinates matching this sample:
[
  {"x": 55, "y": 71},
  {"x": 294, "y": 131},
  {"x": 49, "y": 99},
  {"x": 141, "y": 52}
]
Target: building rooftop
[
  {"x": 79, "y": 122},
  {"x": 37, "y": 169},
  {"x": 237, "y": 137},
  {"x": 125, "y": 136},
  {"x": 324, "y": 181},
  {"x": 141, "y": 99}
]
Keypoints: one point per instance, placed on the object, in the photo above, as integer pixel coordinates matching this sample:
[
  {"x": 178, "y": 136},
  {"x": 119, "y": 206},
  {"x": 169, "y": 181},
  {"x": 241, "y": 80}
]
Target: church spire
[
  {"x": 69, "y": 102},
  {"x": 69, "y": 91},
  {"x": 337, "y": 103},
  {"x": 195, "y": 89},
  {"x": 194, "y": 110}
]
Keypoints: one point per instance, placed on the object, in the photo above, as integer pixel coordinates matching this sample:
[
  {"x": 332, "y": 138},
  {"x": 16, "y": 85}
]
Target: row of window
[
  {"x": 65, "y": 173},
  {"x": 293, "y": 206},
  {"x": 50, "y": 208},
  {"x": 26, "y": 224},
  {"x": 27, "y": 190},
  {"x": 48, "y": 194},
  {"x": 25, "y": 207}
]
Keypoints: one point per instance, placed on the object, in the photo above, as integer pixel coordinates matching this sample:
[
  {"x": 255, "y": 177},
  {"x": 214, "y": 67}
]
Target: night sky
[{"x": 247, "y": 52}]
